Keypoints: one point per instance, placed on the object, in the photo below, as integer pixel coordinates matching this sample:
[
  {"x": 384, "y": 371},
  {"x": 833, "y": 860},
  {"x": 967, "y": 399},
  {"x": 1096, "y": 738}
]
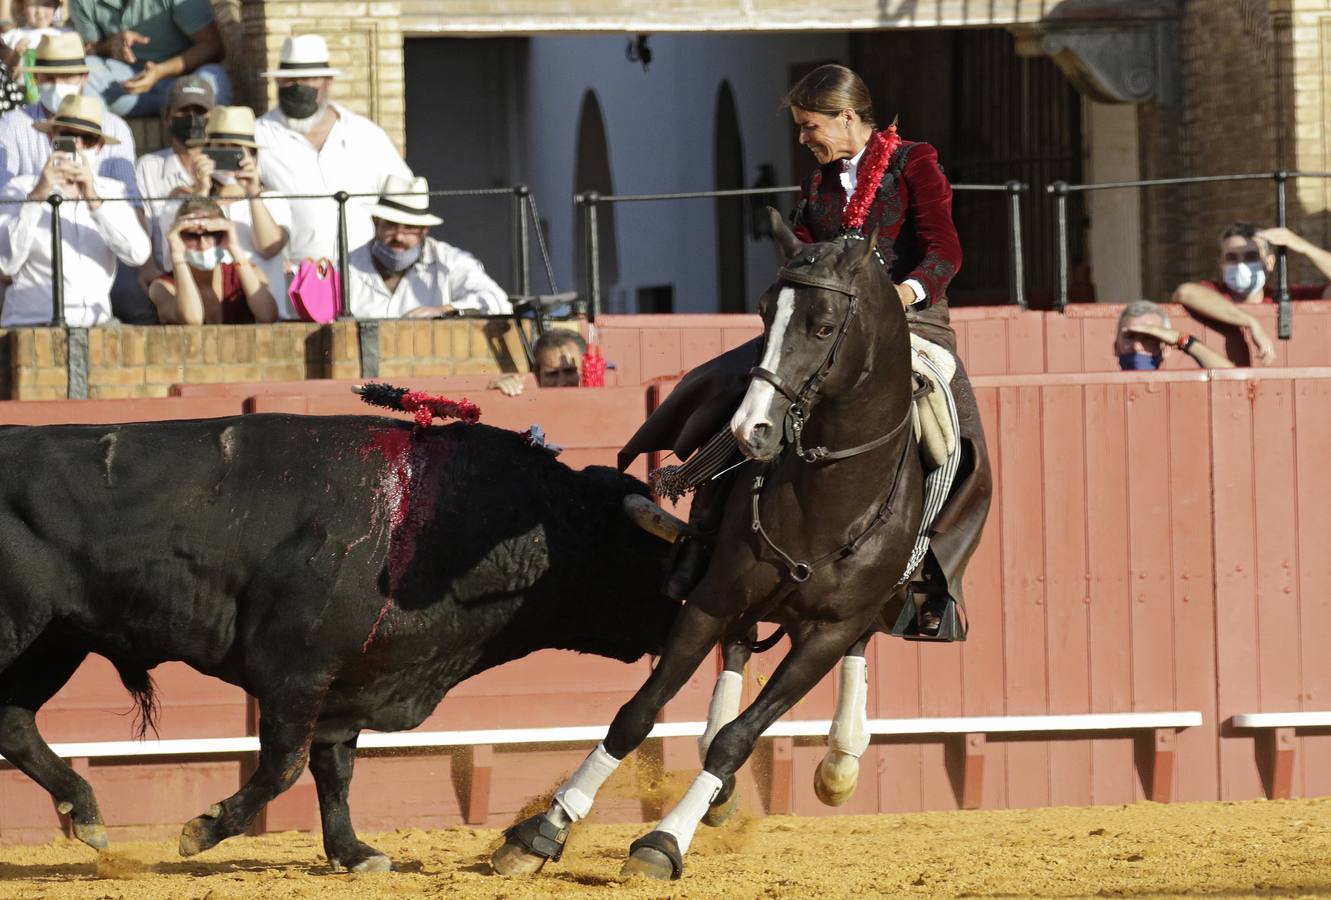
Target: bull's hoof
[
  {"x": 527, "y": 846},
  {"x": 836, "y": 777},
  {"x": 197, "y": 835},
  {"x": 719, "y": 814},
  {"x": 376, "y": 863},
  {"x": 654, "y": 855},
  {"x": 361, "y": 858},
  {"x": 93, "y": 834}
]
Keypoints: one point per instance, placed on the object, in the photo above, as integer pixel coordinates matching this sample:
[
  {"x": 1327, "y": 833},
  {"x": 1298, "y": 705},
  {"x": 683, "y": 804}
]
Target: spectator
[
  {"x": 1144, "y": 338},
  {"x": 214, "y": 281},
  {"x": 170, "y": 172},
  {"x": 1247, "y": 261},
  {"x": 263, "y": 222},
  {"x": 95, "y": 232},
  {"x": 138, "y": 48},
  {"x": 39, "y": 18},
  {"x": 311, "y": 145},
  {"x": 558, "y": 357},
  {"x": 402, "y": 272}
]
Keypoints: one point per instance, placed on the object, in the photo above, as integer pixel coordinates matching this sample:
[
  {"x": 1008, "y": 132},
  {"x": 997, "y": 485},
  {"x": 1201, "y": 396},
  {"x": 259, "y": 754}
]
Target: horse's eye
[{"x": 824, "y": 331}]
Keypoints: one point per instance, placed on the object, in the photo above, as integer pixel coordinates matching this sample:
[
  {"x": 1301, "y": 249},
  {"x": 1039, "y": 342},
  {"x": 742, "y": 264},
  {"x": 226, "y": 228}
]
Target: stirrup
[{"x": 949, "y": 630}]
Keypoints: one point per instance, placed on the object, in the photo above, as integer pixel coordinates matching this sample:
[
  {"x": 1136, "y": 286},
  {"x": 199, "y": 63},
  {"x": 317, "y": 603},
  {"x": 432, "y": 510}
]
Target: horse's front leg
[
  {"x": 660, "y": 854},
  {"x": 542, "y": 837},
  {"x": 723, "y": 709},
  {"x": 839, "y": 771}
]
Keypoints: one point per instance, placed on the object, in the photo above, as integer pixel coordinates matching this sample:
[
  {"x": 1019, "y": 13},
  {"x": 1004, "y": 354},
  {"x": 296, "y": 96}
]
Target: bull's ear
[
  {"x": 784, "y": 237},
  {"x": 858, "y": 252}
]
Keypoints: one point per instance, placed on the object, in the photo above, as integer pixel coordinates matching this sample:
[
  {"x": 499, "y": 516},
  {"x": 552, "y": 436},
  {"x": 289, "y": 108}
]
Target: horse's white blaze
[
  {"x": 682, "y": 821},
  {"x": 575, "y": 796},
  {"x": 723, "y": 709},
  {"x": 757, "y": 406}
]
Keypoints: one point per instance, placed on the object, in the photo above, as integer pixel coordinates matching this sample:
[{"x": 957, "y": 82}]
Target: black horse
[{"x": 816, "y": 537}]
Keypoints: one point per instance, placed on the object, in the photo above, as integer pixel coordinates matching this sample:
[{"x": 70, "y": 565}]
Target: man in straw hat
[
  {"x": 404, "y": 273},
  {"x": 310, "y": 145},
  {"x": 138, "y": 48},
  {"x": 96, "y": 233}
]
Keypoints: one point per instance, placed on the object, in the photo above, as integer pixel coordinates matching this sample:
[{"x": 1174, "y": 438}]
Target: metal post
[
  {"x": 57, "y": 262},
  {"x": 1285, "y": 315},
  {"x": 343, "y": 269},
  {"x": 523, "y": 259},
  {"x": 1060, "y": 192},
  {"x": 591, "y": 198},
  {"x": 1016, "y": 268}
]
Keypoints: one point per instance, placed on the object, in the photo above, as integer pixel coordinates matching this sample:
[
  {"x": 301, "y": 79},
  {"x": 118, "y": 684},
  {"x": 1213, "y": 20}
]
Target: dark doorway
[
  {"x": 728, "y": 153},
  {"x": 592, "y": 173},
  {"x": 470, "y": 141}
]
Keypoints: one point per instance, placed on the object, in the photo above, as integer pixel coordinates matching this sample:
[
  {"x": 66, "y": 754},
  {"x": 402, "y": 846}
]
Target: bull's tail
[{"x": 140, "y": 686}]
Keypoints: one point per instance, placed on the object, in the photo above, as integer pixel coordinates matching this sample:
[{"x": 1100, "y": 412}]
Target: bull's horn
[{"x": 641, "y": 511}]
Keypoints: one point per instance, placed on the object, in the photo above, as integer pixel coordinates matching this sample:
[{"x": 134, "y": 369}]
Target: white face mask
[
  {"x": 206, "y": 260},
  {"x": 52, "y": 93},
  {"x": 1243, "y": 279}
]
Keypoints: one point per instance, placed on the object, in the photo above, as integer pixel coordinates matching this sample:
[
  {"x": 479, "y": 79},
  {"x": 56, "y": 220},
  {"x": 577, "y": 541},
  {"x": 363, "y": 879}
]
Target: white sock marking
[
  {"x": 850, "y": 725},
  {"x": 682, "y": 821},
  {"x": 576, "y": 795}
]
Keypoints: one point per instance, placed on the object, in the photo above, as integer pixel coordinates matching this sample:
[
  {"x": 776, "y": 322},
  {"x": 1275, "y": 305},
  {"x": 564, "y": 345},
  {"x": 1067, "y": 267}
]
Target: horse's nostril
[{"x": 761, "y": 430}]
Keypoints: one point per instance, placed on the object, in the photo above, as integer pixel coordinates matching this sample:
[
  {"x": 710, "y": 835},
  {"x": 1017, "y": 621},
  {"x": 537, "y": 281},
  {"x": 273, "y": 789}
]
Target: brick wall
[{"x": 134, "y": 361}]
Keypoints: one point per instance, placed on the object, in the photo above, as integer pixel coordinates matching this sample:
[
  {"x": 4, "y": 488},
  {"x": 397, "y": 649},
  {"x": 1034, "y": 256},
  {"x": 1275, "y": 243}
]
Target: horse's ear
[
  {"x": 861, "y": 250},
  {"x": 784, "y": 237}
]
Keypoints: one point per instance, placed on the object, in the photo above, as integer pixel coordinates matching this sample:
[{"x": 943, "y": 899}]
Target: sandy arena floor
[{"x": 1260, "y": 848}]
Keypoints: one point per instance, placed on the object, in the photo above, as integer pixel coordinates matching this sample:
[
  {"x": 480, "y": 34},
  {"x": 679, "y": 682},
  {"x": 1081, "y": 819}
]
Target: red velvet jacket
[{"x": 913, "y": 208}]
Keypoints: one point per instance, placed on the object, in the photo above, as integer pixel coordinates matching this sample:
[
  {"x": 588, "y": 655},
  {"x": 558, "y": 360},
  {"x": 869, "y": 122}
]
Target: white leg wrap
[
  {"x": 576, "y": 795},
  {"x": 682, "y": 821},
  {"x": 850, "y": 726},
  {"x": 723, "y": 709}
]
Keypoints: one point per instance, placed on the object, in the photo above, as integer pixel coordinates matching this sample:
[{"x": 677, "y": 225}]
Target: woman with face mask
[{"x": 214, "y": 280}]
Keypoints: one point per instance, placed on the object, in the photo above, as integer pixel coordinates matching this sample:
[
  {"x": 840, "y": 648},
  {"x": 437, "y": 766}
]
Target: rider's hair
[{"x": 830, "y": 89}]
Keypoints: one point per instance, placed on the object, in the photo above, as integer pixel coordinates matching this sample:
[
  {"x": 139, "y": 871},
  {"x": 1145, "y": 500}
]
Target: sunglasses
[{"x": 199, "y": 235}]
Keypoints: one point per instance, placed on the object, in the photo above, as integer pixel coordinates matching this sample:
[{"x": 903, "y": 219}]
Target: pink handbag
[{"x": 316, "y": 291}]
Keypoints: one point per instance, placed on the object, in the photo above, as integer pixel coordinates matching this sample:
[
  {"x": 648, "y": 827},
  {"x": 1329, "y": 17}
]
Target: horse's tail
[{"x": 141, "y": 687}]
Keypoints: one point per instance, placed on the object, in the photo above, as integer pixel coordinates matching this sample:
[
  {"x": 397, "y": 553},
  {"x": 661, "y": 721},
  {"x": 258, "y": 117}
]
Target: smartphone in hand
[
  {"x": 65, "y": 144},
  {"x": 225, "y": 159}
]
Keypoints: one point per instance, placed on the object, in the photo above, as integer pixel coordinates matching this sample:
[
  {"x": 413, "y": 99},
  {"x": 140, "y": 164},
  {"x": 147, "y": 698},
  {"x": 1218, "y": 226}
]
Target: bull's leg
[
  {"x": 660, "y": 854},
  {"x": 286, "y": 727},
  {"x": 24, "y": 687},
  {"x": 839, "y": 771},
  {"x": 331, "y": 766},
  {"x": 721, "y": 712},
  {"x": 530, "y": 843}
]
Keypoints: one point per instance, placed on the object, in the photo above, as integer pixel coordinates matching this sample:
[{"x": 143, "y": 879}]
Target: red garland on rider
[{"x": 877, "y": 154}]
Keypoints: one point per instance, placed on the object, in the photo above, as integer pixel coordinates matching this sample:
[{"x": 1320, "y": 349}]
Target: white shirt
[
  {"x": 158, "y": 174},
  {"x": 15, "y": 36},
  {"x": 91, "y": 242},
  {"x": 850, "y": 177},
  {"x": 24, "y": 150},
  {"x": 356, "y": 157},
  {"x": 444, "y": 275},
  {"x": 240, "y": 212}
]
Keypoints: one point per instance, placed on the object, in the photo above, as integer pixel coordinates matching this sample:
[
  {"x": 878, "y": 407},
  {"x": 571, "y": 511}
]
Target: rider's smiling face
[{"x": 827, "y": 137}]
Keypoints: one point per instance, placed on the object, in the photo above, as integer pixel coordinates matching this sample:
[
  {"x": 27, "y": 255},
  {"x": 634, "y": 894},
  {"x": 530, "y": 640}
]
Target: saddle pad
[{"x": 933, "y": 423}]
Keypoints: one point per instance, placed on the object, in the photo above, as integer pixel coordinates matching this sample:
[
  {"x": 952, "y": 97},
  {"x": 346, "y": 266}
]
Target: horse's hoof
[
  {"x": 93, "y": 834},
  {"x": 376, "y": 863},
  {"x": 512, "y": 860},
  {"x": 722, "y": 812},
  {"x": 197, "y": 835},
  {"x": 836, "y": 777},
  {"x": 654, "y": 855}
]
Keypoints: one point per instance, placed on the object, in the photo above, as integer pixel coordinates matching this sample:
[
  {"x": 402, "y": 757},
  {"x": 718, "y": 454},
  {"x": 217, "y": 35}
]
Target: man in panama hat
[{"x": 402, "y": 272}]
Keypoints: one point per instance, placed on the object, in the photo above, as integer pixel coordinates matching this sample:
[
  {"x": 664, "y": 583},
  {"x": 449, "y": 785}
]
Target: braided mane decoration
[{"x": 425, "y": 407}]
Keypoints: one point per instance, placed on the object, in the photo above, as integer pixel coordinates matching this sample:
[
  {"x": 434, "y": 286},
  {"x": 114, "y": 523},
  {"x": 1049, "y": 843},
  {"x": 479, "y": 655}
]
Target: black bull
[{"x": 345, "y": 571}]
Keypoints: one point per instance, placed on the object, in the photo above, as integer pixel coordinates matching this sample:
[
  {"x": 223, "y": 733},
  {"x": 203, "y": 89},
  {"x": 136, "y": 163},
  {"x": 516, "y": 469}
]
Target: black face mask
[
  {"x": 298, "y": 101},
  {"x": 190, "y": 127}
]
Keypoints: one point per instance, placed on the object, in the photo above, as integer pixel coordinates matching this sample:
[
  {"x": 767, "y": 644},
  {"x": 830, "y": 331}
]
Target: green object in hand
[{"x": 29, "y": 81}]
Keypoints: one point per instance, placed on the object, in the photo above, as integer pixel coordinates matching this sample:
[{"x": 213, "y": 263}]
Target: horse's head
[{"x": 813, "y": 344}]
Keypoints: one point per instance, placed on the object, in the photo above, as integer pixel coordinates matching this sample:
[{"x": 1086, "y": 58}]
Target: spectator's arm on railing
[
  {"x": 1284, "y": 237},
  {"x": 1200, "y": 299}
]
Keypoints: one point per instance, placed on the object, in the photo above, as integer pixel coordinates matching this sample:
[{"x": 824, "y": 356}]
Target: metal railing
[
  {"x": 1061, "y": 189},
  {"x": 590, "y": 202}
]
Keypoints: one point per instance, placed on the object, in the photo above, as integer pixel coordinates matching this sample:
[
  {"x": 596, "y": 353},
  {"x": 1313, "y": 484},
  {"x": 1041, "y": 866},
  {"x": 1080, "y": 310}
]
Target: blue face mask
[
  {"x": 395, "y": 260},
  {"x": 1138, "y": 362}
]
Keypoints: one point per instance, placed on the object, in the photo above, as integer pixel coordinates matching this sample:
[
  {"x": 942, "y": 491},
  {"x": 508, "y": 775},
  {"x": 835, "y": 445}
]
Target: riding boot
[{"x": 695, "y": 552}]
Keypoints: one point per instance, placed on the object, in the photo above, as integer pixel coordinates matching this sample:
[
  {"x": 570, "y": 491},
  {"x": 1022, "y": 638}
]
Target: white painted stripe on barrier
[
  {"x": 1313, "y": 719},
  {"x": 371, "y": 740}
]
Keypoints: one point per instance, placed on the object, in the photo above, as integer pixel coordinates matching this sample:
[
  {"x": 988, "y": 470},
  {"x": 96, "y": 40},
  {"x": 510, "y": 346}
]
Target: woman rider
[{"x": 865, "y": 179}]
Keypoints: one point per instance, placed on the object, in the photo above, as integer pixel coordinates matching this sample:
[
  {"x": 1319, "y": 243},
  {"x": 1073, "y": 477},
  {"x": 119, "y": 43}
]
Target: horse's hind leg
[
  {"x": 660, "y": 854},
  {"x": 839, "y": 771},
  {"x": 32, "y": 679},
  {"x": 286, "y": 729},
  {"x": 531, "y": 842}
]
